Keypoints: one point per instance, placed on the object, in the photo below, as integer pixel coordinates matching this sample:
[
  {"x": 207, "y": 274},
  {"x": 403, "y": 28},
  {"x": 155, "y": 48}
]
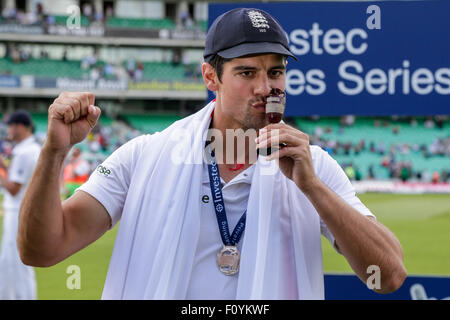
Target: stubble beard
[
  {"x": 250, "y": 123},
  {"x": 253, "y": 121}
]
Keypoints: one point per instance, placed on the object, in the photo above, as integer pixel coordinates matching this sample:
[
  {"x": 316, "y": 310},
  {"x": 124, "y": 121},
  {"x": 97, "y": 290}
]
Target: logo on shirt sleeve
[{"x": 103, "y": 170}]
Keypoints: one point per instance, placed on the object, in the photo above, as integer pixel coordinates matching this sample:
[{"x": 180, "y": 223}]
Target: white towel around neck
[{"x": 160, "y": 225}]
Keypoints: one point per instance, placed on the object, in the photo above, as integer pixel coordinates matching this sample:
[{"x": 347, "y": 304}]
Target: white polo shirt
[
  {"x": 24, "y": 158},
  {"x": 207, "y": 282}
]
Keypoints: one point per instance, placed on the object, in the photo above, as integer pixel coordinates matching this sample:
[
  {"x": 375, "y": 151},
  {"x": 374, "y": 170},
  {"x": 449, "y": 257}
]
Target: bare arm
[
  {"x": 50, "y": 231},
  {"x": 363, "y": 241}
]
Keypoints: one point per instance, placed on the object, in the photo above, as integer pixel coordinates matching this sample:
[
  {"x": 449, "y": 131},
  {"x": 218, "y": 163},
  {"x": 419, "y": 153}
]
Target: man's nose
[{"x": 263, "y": 86}]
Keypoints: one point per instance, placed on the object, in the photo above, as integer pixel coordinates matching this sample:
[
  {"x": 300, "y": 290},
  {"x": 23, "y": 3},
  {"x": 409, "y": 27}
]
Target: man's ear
[{"x": 210, "y": 77}]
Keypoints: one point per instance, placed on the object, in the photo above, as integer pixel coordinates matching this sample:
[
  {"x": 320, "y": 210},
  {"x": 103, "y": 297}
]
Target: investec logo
[
  {"x": 258, "y": 20},
  {"x": 219, "y": 207},
  {"x": 216, "y": 185}
]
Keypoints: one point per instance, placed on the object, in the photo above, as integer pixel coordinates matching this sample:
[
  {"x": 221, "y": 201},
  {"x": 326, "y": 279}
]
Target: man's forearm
[
  {"x": 41, "y": 227},
  {"x": 363, "y": 241}
]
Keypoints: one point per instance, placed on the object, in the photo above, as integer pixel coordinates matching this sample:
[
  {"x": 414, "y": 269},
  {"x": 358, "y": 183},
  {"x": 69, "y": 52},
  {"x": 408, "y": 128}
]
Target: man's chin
[
  {"x": 257, "y": 122},
  {"x": 262, "y": 124}
]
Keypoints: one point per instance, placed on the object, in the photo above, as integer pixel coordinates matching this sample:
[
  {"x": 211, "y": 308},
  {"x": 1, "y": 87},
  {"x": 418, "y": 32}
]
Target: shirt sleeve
[
  {"x": 331, "y": 173},
  {"x": 110, "y": 181}
]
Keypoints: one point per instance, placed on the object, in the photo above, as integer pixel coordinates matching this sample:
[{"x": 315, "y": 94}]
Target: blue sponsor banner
[
  {"x": 44, "y": 82},
  {"x": 350, "y": 287},
  {"x": 364, "y": 58},
  {"x": 9, "y": 81}
]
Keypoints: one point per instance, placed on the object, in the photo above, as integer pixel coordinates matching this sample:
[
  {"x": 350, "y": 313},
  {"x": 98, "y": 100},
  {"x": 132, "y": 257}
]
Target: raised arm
[
  {"x": 49, "y": 230},
  {"x": 362, "y": 240}
]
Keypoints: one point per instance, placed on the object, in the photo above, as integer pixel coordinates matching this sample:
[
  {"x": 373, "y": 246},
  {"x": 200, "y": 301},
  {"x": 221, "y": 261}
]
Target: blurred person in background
[
  {"x": 17, "y": 281},
  {"x": 76, "y": 172}
]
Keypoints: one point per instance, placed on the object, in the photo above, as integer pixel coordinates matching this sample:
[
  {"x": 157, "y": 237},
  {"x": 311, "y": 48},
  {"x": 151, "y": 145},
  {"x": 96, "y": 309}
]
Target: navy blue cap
[
  {"x": 22, "y": 117},
  {"x": 245, "y": 31}
]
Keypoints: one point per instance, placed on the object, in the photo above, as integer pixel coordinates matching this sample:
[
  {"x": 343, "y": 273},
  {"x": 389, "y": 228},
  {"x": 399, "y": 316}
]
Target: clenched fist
[{"x": 70, "y": 118}]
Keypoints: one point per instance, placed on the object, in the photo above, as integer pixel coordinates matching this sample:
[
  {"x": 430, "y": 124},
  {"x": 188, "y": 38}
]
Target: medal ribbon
[{"x": 219, "y": 206}]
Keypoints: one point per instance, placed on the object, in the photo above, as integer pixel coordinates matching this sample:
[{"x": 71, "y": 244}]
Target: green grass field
[{"x": 421, "y": 223}]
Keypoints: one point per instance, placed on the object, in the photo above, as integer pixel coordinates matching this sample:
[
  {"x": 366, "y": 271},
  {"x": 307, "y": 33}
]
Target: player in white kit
[{"x": 17, "y": 281}]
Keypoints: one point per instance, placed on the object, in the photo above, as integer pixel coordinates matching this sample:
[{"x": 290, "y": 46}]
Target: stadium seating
[
  {"x": 203, "y": 25},
  {"x": 134, "y": 23},
  {"x": 150, "y": 123},
  {"x": 72, "y": 69},
  {"x": 364, "y": 129},
  {"x": 43, "y": 68},
  {"x": 62, "y": 20},
  {"x": 40, "y": 121},
  {"x": 163, "y": 71}
]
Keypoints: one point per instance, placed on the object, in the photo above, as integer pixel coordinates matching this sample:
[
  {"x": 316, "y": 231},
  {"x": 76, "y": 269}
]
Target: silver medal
[{"x": 228, "y": 260}]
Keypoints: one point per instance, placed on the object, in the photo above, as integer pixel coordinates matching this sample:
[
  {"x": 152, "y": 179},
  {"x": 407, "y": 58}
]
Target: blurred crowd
[
  {"x": 94, "y": 69},
  {"x": 133, "y": 69},
  {"x": 24, "y": 18},
  {"x": 39, "y": 16},
  {"x": 393, "y": 155}
]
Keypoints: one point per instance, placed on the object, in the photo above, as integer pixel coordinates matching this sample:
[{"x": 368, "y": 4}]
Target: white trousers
[{"x": 17, "y": 281}]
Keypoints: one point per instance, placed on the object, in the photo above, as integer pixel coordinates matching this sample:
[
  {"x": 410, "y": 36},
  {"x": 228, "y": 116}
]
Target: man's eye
[
  {"x": 247, "y": 73},
  {"x": 276, "y": 73}
]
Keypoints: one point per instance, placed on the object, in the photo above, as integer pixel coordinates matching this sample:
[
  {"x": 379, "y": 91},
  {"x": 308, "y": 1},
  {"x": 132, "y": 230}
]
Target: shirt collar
[{"x": 245, "y": 176}]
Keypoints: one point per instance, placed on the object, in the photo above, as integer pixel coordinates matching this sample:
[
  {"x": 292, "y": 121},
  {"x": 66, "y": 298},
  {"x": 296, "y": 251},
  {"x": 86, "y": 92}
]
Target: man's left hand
[{"x": 294, "y": 156}]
